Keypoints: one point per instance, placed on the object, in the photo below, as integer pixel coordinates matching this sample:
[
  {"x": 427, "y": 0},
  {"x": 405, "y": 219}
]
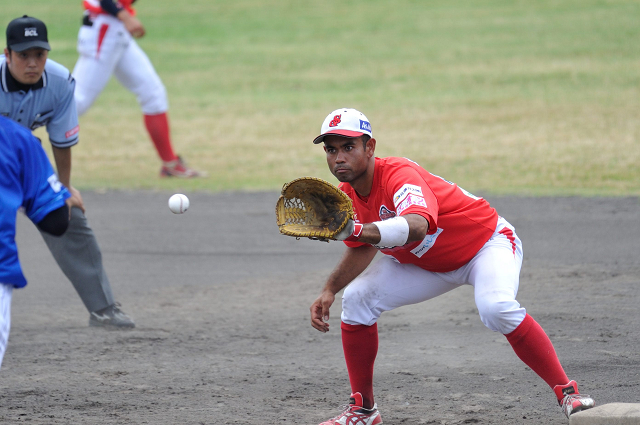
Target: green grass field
[{"x": 504, "y": 97}]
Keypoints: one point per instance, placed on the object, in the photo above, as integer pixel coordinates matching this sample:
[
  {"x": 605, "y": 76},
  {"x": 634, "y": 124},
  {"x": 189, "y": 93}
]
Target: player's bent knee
[
  {"x": 84, "y": 101},
  {"x": 501, "y": 316},
  {"x": 154, "y": 101},
  {"x": 81, "y": 105},
  {"x": 355, "y": 309}
]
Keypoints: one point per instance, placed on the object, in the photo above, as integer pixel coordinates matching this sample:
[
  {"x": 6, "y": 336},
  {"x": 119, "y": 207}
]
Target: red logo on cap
[{"x": 335, "y": 121}]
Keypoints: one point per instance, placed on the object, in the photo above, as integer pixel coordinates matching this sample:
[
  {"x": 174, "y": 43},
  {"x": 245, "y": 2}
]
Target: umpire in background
[{"x": 36, "y": 91}]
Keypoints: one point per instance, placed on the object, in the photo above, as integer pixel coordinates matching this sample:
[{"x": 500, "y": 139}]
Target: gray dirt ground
[{"x": 223, "y": 337}]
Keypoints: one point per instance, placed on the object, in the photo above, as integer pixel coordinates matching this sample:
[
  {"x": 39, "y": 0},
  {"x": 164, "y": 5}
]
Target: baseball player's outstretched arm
[
  {"x": 418, "y": 228},
  {"x": 353, "y": 262}
]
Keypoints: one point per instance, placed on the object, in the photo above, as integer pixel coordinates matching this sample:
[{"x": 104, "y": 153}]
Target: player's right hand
[
  {"x": 320, "y": 311},
  {"x": 132, "y": 24},
  {"x": 75, "y": 200}
]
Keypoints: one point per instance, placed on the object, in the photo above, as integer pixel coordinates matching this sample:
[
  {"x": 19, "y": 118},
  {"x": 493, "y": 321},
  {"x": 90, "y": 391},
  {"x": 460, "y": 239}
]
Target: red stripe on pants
[
  {"x": 103, "y": 32},
  {"x": 509, "y": 234}
]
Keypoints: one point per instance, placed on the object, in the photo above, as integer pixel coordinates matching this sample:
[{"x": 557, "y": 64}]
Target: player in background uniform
[
  {"x": 26, "y": 181},
  {"x": 36, "y": 91},
  {"x": 435, "y": 237},
  {"x": 107, "y": 47}
]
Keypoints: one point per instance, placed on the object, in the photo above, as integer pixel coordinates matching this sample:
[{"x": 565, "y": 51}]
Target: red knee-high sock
[
  {"x": 534, "y": 348},
  {"x": 360, "y": 345},
  {"x": 158, "y": 129}
]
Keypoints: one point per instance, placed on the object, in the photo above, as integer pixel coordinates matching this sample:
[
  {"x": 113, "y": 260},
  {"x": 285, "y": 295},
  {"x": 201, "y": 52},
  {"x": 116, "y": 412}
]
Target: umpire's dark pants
[{"x": 79, "y": 257}]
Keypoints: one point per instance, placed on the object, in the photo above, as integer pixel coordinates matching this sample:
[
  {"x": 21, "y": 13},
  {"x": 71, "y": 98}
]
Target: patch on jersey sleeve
[
  {"x": 55, "y": 184},
  {"x": 426, "y": 244},
  {"x": 385, "y": 213},
  {"x": 404, "y": 191},
  {"x": 71, "y": 132},
  {"x": 409, "y": 201}
]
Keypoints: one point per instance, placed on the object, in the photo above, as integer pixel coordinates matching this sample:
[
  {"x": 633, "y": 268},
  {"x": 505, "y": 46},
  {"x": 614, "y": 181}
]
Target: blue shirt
[
  {"x": 26, "y": 180},
  {"x": 49, "y": 102}
]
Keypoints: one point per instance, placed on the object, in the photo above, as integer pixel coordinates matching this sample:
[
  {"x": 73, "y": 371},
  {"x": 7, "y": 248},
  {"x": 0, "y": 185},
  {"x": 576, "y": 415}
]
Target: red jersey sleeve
[{"x": 412, "y": 195}]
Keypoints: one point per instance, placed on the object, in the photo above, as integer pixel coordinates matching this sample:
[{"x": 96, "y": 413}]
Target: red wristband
[{"x": 357, "y": 231}]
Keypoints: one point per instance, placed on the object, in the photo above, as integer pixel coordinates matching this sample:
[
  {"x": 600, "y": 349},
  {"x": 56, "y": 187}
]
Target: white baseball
[{"x": 178, "y": 203}]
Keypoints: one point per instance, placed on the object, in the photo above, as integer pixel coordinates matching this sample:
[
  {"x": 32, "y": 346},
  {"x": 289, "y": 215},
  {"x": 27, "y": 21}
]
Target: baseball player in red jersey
[
  {"x": 107, "y": 47},
  {"x": 436, "y": 237}
]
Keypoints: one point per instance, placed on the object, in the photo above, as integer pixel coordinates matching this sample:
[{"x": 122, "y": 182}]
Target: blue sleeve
[
  {"x": 63, "y": 127},
  {"x": 43, "y": 192}
]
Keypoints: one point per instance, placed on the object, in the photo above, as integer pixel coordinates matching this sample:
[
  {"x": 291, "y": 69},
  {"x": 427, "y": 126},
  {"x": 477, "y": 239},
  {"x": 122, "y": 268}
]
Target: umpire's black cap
[{"x": 26, "y": 33}]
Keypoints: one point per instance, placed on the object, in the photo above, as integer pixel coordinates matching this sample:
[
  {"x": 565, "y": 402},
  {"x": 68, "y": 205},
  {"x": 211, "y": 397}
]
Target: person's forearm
[
  {"x": 353, "y": 262},
  {"x": 413, "y": 227},
  {"x": 131, "y": 23},
  {"x": 123, "y": 15},
  {"x": 62, "y": 158}
]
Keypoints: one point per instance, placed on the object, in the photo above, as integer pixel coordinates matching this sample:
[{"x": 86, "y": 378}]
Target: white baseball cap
[{"x": 344, "y": 122}]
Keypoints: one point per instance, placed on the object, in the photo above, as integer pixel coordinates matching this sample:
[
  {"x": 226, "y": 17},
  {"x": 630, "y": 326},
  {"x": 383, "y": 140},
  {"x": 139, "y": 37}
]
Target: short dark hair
[{"x": 365, "y": 139}]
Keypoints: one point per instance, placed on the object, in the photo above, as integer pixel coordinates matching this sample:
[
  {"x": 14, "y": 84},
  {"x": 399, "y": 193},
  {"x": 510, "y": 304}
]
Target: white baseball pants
[
  {"x": 106, "y": 48},
  {"x": 494, "y": 273},
  {"x": 5, "y": 317}
]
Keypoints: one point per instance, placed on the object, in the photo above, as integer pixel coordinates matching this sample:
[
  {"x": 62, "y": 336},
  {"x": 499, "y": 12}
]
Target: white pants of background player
[
  {"x": 106, "y": 48},
  {"x": 5, "y": 317},
  {"x": 494, "y": 273}
]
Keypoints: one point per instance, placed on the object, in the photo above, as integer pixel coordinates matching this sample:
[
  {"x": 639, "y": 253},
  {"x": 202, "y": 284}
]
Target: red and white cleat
[
  {"x": 570, "y": 400},
  {"x": 355, "y": 414},
  {"x": 178, "y": 168}
]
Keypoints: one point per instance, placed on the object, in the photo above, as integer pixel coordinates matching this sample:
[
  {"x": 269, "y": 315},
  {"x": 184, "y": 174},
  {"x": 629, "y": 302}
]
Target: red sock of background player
[
  {"x": 360, "y": 345},
  {"x": 534, "y": 348},
  {"x": 158, "y": 128}
]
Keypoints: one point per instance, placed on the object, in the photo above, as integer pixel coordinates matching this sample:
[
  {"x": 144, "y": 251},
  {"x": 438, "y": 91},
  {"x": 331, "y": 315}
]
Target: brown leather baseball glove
[{"x": 313, "y": 208}]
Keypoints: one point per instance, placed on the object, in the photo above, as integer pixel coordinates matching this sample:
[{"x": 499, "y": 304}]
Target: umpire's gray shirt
[{"x": 49, "y": 102}]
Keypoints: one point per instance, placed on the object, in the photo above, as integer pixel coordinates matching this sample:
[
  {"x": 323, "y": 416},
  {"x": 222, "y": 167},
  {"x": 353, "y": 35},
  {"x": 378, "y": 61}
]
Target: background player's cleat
[
  {"x": 111, "y": 317},
  {"x": 355, "y": 414},
  {"x": 178, "y": 168},
  {"x": 570, "y": 400}
]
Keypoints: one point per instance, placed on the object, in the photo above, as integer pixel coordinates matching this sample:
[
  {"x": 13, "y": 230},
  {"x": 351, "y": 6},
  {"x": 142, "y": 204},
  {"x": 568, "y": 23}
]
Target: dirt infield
[{"x": 223, "y": 336}]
